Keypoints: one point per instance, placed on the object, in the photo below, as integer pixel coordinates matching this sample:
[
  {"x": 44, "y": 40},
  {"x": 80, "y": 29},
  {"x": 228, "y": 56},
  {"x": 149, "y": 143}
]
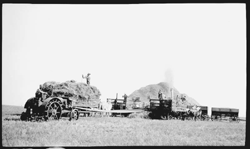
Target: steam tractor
[{"x": 46, "y": 107}]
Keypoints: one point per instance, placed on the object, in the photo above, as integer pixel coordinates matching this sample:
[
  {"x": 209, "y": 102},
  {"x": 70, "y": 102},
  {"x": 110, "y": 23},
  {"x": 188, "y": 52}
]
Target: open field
[{"x": 115, "y": 131}]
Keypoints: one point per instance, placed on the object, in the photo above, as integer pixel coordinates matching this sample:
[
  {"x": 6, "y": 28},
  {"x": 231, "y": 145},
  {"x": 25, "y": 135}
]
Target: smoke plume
[{"x": 169, "y": 78}]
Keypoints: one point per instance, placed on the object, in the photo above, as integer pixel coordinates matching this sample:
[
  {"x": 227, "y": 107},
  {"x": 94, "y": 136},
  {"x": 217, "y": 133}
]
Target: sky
[{"x": 201, "y": 47}]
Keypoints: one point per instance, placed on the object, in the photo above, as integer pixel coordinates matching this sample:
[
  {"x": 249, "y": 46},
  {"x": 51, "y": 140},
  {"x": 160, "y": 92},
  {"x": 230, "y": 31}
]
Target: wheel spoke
[
  {"x": 75, "y": 115},
  {"x": 55, "y": 106},
  {"x": 50, "y": 117},
  {"x": 50, "y": 108},
  {"x": 56, "y": 116}
]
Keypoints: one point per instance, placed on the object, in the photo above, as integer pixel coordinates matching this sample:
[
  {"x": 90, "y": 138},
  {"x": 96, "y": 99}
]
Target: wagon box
[
  {"x": 203, "y": 107},
  {"x": 216, "y": 109},
  {"x": 224, "y": 110},
  {"x": 219, "y": 113},
  {"x": 234, "y": 110}
]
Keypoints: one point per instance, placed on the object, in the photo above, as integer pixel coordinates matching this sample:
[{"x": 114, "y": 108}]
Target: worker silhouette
[
  {"x": 87, "y": 78},
  {"x": 125, "y": 98},
  {"x": 160, "y": 95}
]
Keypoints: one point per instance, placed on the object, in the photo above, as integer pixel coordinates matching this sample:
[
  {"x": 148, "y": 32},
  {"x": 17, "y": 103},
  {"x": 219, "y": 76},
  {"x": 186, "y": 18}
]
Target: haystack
[
  {"x": 81, "y": 92},
  {"x": 151, "y": 91}
]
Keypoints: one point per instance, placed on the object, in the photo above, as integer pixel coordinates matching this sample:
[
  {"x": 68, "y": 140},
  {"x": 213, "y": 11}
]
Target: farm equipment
[
  {"x": 219, "y": 114},
  {"x": 45, "y": 107},
  {"x": 118, "y": 104},
  {"x": 160, "y": 108},
  {"x": 164, "y": 108}
]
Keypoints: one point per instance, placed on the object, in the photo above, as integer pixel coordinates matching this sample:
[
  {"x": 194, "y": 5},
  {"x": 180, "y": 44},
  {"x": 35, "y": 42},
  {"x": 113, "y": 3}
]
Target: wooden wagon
[{"x": 224, "y": 114}]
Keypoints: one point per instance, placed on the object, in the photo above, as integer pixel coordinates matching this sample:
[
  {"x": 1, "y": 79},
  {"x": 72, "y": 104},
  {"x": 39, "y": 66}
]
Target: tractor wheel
[
  {"x": 54, "y": 111},
  {"x": 74, "y": 115}
]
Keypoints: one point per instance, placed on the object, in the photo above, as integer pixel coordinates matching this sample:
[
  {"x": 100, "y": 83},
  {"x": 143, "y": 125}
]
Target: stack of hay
[
  {"x": 81, "y": 92},
  {"x": 151, "y": 91}
]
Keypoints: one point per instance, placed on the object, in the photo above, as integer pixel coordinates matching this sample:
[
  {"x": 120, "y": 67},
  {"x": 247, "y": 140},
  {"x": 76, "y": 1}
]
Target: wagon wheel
[
  {"x": 170, "y": 117},
  {"x": 237, "y": 120},
  {"x": 74, "y": 115},
  {"x": 164, "y": 117},
  {"x": 207, "y": 118},
  {"x": 54, "y": 111}
]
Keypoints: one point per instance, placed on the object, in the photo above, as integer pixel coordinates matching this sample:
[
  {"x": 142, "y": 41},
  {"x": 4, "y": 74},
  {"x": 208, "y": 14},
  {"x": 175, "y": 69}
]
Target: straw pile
[
  {"x": 151, "y": 91},
  {"x": 81, "y": 92}
]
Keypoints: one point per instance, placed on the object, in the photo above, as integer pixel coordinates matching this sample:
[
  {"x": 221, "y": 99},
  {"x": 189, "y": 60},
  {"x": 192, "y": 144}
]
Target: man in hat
[
  {"x": 87, "y": 78},
  {"x": 160, "y": 95},
  {"x": 125, "y": 100}
]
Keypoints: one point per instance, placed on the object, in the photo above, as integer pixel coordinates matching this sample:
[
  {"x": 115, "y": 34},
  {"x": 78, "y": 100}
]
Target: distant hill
[{"x": 152, "y": 92}]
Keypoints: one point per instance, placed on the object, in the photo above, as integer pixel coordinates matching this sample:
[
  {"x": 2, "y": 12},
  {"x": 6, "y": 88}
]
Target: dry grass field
[{"x": 117, "y": 131}]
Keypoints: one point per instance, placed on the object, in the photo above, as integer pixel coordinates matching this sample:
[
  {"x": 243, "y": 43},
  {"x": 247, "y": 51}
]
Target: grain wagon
[{"x": 224, "y": 114}]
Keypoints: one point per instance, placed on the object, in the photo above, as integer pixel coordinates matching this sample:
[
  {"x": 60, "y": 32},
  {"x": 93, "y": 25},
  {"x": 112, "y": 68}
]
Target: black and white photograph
[{"x": 139, "y": 74}]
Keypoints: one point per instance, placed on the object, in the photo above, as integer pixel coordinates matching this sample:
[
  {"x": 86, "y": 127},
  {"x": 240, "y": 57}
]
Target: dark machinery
[
  {"x": 160, "y": 108},
  {"x": 45, "y": 107},
  {"x": 118, "y": 104}
]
